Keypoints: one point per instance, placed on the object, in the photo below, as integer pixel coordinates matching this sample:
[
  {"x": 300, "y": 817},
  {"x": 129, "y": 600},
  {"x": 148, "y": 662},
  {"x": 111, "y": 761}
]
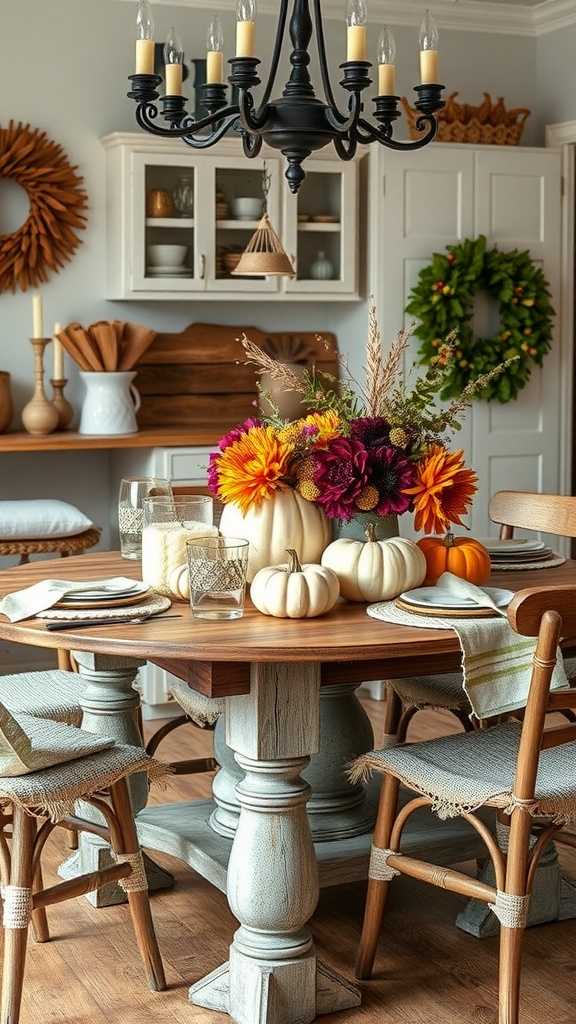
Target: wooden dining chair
[
  {"x": 51, "y": 793},
  {"x": 523, "y": 769},
  {"x": 549, "y": 513}
]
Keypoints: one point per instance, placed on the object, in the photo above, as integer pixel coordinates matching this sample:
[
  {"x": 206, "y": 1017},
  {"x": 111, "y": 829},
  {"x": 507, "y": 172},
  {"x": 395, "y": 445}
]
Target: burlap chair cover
[
  {"x": 468, "y": 770},
  {"x": 204, "y": 711},
  {"x": 53, "y": 695},
  {"x": 54, "y": 791},
  {"x": 444, "y": 691}
]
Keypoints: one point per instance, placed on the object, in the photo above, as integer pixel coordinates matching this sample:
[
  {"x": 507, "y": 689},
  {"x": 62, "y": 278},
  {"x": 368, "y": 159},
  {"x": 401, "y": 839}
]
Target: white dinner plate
[
  {"x": 100, "y": 595},
  {"x": 436, "y": 597},
  {"x": 512, "y": 546}
]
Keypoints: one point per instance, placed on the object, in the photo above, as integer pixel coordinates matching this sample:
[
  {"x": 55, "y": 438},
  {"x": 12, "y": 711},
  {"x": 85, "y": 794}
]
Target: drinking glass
[
  {"x": 170, "y": 521},
  {"x": 218, "y": 568},
  {"x": 133, "y": 492}
]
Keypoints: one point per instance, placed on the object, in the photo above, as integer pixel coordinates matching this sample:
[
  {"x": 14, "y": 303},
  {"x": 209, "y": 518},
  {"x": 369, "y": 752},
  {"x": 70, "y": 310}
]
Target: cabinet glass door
[
  {"x": 236, "y": 196},
  {"x": 167, "y": 225},
  {"x": 319, "y": 229}
]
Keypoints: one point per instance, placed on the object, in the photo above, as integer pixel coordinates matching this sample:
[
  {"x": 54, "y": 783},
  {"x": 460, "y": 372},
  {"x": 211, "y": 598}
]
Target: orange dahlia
[
  {"x": 317, "y": 428},
  {"x": 251, "y": 469},
  {"x": 443, "y": 490}
]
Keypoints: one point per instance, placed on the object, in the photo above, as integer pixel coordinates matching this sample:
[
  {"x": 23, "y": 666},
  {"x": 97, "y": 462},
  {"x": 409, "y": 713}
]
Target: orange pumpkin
[{"x": 463, "y": 556}]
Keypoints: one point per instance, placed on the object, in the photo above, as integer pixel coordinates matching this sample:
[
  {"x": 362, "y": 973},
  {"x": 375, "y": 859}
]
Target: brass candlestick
[
  {"x": 40, "y": 416},
  {"x": 62, "y": 405}
]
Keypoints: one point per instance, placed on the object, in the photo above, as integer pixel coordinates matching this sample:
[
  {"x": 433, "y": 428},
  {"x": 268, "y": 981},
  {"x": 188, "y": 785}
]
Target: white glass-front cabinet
[
  {"x": 178, "y": 221},
  {"x": 320, "y": 229}
]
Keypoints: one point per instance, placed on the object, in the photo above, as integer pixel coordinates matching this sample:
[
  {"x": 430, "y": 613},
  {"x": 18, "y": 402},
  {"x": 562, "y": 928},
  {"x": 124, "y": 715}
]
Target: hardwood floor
[{"x": 427, "y": 972}]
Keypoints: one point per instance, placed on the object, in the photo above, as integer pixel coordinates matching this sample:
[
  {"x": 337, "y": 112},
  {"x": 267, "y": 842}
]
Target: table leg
[
  {"x": 337, "y": 809},
  {"x": 110, "y": 708},
  {"x": 273, "y": 976}
]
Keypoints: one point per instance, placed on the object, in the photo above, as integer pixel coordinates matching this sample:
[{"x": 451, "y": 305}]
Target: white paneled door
[{"x": 428, "y": 200}]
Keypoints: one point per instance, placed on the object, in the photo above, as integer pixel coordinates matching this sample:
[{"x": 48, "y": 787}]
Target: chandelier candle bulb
[
  {"x": 428, "y": 51},
  {"x": 145, "y": 39},
  {"x": 246, "y": 28},
  {"x": 37, "y": 316},
  {"x": 387, "y": 64},
  {"x": 58, "y": 354},
  {"x": 215, "y": 53},
  {"x": 357, "y": 39},
  {"x": 173, "y": 62}
]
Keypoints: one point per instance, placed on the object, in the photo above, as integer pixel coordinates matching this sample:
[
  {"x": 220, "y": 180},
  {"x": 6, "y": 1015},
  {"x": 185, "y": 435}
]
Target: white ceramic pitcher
[{"x": 110, "y": 404}]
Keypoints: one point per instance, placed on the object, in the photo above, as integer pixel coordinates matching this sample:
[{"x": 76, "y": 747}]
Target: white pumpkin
[
  {"x": 285, "y": 521},
  {"x": 295, "y": 591},
  {"x": 375, "y": 570},
  {"x": 179, "y": 582}
]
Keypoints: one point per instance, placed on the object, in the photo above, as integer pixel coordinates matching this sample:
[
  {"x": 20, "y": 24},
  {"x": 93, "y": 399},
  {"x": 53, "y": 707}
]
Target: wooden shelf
[
  {"x": 158, "y": 437},
  {"x": 237, "y": 225},
  {"x": 311, "y": 226},
  {"x": 170, "y": 222}
]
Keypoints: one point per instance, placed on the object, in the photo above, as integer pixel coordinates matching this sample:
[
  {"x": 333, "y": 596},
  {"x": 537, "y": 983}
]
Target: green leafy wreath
[{"x": 443, "y": 302}]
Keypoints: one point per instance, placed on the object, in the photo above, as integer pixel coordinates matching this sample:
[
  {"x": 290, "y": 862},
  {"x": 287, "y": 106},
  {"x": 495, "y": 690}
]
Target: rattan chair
[
  {"x": 511, "y": 510},
  {"x": 522, "y": 769},
  {"x": 52, "y": 794}
]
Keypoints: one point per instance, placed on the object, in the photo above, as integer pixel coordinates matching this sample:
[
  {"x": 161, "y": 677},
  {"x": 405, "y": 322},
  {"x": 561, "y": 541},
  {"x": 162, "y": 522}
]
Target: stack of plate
[
  {"x": 169, "y": 272},
  {"x": 436, "y": 601},
  {"x": 111, "y": 598},
  {"x": 519, "y": 551}
]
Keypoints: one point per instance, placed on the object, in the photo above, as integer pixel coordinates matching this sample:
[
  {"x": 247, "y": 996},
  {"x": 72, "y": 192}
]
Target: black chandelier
[{"x": 297, "y": 123}]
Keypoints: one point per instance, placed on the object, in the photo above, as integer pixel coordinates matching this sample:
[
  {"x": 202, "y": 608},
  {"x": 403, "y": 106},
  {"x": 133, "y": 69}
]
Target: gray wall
[
  {"x": 557, "y": 76},
  {"x": 63, "y": 67}
]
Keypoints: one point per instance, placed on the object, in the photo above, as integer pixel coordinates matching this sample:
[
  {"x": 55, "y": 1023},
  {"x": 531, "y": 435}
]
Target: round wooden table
[{"x": 272, "y": 673}]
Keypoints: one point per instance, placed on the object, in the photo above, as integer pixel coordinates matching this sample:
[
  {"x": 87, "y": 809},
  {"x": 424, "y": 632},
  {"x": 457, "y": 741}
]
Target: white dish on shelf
[
  {"x": 170, "y": 270},
  {"x": 166, "y": 255},
  {"x": 247, "y": 208}
]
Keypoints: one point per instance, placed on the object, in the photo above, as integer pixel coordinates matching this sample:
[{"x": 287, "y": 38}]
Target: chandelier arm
[
  {"x": 146, "y": 113},
  {"x": 368, "y": 133},
  {"x": 324, "y": 72},
  {"x": 252, "y": 121},
  {"x": 342, "y": 124},
  {"x": 205, "y": 141},
  {"x": 346, "y": 152},
  {"x": 276, "y": 55}
]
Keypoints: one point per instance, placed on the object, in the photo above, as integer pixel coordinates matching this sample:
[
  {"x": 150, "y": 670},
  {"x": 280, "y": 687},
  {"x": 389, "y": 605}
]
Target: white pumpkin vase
[
  {"x": 284, "y": 521},
  {"x": 375, "y": 570},
  {"x": 295, "y": 591}
]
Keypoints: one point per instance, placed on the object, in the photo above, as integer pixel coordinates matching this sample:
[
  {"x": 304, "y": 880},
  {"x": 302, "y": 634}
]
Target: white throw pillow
[
  {"x": 30, "y": 744},
  {"x": 40, "y": 518}
]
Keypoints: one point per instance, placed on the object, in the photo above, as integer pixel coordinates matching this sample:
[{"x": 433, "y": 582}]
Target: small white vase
[
  {"x": 110, "y": 404},
  {"x": 322, "y": 269}
]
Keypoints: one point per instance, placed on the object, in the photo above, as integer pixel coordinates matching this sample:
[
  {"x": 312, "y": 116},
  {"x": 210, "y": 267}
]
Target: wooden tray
[
  {"x": 114, "y": 602},
  {"x": 447, "y": 613}
]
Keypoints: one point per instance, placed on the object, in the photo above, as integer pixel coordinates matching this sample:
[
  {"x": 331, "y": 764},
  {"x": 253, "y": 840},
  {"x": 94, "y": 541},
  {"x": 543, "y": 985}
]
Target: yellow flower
[
  {"x": 252, "y": 468},
  {"x": 327, "y": 426}
]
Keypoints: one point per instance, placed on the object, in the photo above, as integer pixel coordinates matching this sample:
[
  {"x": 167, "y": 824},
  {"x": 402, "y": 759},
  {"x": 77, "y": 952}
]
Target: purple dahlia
[
  {"x": 371, "y": 431},
  {"x": 391, "y": 472},
  {"x": 340, "y": 473}
]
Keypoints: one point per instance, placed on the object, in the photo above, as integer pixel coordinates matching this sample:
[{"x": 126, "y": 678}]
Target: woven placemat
[
  {"x": 551, "y": 563},
  {"x": 154, "y": 605}
]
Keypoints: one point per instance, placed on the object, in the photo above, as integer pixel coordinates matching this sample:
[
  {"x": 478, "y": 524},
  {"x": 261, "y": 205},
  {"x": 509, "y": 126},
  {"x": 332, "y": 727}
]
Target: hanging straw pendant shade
[{"x": 264, "y": 255}]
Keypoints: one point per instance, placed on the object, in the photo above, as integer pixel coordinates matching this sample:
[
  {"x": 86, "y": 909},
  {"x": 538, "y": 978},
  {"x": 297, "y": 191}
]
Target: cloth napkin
[
  {"x": 496, "y": 661},
  {"x": 23, "y": 604}
]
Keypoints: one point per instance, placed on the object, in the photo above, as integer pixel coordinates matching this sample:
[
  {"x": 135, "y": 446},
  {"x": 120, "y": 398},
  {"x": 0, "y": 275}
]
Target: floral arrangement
[{"x": 378, "y": 448}]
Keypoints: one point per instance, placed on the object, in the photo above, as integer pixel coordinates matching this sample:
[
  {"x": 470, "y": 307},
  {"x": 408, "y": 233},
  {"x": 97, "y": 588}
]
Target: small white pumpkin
[
  {"x": 179, "y": 582},
  {"x": 375, "y": 570},
  {"x": 285, "y": 521},
  {"x": 295, "y": 591}
]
